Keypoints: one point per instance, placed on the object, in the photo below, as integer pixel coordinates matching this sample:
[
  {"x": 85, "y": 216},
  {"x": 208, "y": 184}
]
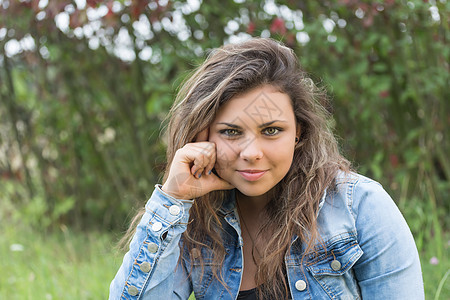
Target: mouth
[{"x": 252, "y": 175}]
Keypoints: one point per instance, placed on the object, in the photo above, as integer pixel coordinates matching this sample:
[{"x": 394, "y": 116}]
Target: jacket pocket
[
  {"x": 201, "y": 273},
  {"x": 332, "y": 268}
]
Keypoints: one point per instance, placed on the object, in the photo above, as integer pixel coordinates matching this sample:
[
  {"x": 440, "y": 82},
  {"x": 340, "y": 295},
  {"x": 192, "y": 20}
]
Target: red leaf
[
  {"x": 93, "y": 3},
  {"x": 278, "y": 26},
  {"x": 368, "y": 21},
  {"x": 35, "y": 6},
  {"x": 251, "y": 28},
  {"x": 384, "y": 94},
  {"x": 137, "y": 7},
  {"x": 394, "y": 160}
]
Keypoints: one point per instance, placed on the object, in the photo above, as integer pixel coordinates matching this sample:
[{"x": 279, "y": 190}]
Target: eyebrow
[{"x": 259, "y": 126}]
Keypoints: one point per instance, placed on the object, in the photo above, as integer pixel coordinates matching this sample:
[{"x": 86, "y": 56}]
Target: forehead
[{"x": 259, "y": 105}]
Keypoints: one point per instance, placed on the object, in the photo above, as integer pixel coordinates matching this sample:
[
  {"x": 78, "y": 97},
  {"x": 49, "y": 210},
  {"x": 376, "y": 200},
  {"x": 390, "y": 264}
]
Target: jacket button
[
  {"x": 133, "y": 291},
  {"x": 152, "y": 247},
  {"x": 300, "y": 285},
  {"x": 157, "y": 226},
  {"x": 145, "y": 267},
  {"x": 174, "y": 210},
  {"x": 336, "y": 265},
  {"x": 195, "y": 253}
]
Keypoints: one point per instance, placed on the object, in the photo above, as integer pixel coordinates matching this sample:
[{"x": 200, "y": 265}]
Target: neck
[{"x": 253, "y": 205}]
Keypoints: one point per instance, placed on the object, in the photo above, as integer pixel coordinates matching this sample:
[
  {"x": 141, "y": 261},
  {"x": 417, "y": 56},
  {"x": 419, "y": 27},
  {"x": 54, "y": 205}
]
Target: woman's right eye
[{"x": 230, "y": 132}]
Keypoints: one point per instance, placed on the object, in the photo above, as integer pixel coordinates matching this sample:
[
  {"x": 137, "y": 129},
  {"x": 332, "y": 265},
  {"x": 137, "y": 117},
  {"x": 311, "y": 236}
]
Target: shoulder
[
  {"x": 348, "y": 181},
  {"x": 364, "y": 203},
  {"x": 353, "y": 197},
  {"x": 359, "y": 215},
  {"x": 355, "y": 189}
]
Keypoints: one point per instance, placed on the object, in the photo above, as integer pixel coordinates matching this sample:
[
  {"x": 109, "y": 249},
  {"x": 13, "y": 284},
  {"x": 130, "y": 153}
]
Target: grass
[
  {"x": 61, "y": 265},
  {"x": 69, "y": 265},
  {"x": 436, "y": 276}
]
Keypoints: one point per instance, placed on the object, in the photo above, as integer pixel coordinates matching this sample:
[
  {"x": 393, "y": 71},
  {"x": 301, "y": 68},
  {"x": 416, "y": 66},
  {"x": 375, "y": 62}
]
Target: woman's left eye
[{"x": 272, "y": 131}]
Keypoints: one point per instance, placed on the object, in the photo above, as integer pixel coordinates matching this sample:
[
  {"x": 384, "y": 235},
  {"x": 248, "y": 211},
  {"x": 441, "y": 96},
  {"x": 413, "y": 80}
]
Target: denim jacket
[{"x": 370, "y": 252}]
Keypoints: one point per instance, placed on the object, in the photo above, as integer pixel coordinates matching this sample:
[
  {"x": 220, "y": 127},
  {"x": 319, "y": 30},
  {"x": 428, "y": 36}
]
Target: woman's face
[{"x": 255, "y": 135}]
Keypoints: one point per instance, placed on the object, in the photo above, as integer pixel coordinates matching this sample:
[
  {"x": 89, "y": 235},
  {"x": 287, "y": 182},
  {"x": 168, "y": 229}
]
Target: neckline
[{"x": 246, "y": 292}]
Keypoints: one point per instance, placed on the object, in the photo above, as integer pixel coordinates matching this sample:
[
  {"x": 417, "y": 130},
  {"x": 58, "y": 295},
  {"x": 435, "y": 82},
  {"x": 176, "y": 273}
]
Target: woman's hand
[{"x": 190, "y": 175}]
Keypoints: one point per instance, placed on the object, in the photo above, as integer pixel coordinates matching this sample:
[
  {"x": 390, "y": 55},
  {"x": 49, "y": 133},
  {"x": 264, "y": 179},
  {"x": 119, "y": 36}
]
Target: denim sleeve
[
  {"x": 390, "y": 265},
  {"x": 150, "y": 269}
]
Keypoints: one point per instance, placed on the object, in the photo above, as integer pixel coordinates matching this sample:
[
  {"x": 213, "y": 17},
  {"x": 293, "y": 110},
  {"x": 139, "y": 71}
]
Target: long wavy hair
[{"x": 230, "y": 71}]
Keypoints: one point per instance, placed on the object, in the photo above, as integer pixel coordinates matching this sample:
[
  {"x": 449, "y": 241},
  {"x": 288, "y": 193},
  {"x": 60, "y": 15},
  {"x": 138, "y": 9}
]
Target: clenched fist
[{"x": 190, "y": 174}]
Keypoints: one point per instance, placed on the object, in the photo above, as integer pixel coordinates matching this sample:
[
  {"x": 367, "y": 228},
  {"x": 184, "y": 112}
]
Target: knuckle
[
  {"x": 200, "y": 159},
  {"x": 187, "y": 145},
  {"x": 179, "y": 150}
]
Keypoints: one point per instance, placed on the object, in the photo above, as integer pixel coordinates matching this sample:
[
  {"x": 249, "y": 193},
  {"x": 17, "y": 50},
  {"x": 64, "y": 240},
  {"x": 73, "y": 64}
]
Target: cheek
[
  {"x": 282, "y": 156},
  {"x": 225, "y": 154}
]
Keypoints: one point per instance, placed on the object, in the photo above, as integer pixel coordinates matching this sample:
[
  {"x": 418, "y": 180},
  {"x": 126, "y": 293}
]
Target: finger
[
  {"x": 196, "y": 170},
  {"x": 202, "y": 136},
  {"x": 200, "y": 162},
  {"x": 199, "y": 173},
  {"x": 212, "y": 162},
  {"x": 204, "y": 147},
  {"x": 209, "y": 152},
  {"x": 199, "y": 156}
]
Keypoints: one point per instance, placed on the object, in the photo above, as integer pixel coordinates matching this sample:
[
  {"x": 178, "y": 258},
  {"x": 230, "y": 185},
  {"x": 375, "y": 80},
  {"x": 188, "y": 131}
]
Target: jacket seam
[{"x": 323, "y": 257}]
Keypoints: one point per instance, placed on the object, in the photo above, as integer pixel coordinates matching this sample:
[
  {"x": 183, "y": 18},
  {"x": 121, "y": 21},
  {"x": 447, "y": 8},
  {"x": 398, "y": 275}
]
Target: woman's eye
[
  {"x": 272, "y": 131},
  {"x": 230, "y": 132}
]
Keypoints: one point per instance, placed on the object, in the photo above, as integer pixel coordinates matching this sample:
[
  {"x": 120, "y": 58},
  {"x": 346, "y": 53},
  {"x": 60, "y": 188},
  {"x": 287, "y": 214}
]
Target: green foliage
[{"x": 80, "y": 118}]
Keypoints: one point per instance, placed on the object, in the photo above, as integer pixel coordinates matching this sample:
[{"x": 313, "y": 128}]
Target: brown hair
[{"x": 227, "y": 72}]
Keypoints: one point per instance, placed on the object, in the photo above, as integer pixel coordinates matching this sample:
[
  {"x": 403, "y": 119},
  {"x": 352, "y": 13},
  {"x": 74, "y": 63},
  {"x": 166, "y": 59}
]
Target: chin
[{"x": 251, "y": 191}]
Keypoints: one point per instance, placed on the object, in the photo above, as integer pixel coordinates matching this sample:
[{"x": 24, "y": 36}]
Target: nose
[{"x": 251, "y": 151}]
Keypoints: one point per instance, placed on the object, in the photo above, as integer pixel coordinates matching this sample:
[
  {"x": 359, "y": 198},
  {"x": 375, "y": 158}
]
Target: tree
[{"x": 84, "y": 90}]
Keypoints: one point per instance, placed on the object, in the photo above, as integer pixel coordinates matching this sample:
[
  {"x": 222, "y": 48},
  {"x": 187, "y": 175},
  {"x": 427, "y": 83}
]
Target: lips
[{"x": 252, "y": 175}]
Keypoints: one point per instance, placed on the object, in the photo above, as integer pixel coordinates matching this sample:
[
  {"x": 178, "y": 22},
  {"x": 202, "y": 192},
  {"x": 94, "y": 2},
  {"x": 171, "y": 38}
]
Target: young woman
[{"x": 257, "y": 202}]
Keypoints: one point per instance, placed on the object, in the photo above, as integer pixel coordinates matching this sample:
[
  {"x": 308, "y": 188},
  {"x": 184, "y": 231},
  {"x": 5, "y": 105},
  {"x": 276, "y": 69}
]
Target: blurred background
[{"x": 85, "y": 86}]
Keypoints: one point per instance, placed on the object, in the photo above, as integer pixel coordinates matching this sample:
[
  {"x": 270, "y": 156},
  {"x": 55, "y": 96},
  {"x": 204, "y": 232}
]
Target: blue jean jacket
[{"x": 370, "y": 252}]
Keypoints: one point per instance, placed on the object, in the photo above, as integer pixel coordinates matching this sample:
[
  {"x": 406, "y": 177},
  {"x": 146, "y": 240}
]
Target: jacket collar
[{"x": 229, "y": 204}]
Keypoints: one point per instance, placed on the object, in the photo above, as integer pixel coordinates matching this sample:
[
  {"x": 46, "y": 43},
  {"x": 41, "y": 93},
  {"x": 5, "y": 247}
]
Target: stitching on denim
[
  {"x": 327, "y": 290},
  {"x": 155, "y": 261},
  {"x": 350, "y": 198},
  {"x": 163, "y": 245},
  {"x": 327, "y": 270},
  {"x": 141, "y": 249},
  {"x": 312, "y": 257},
  {"x": 226, "y": 280},
  {"x": 322, "y": 272},
  {"x": 123, "y": 295},
  {"x": 321, "y": 257},
  {"x": 305, "y": 279},
  {"x": 324, "y": 257},
  {"x": 341, "y": 251},
  {"x": 206, "y": 260},
  {"x": 203, "y": 287},
  {"x": 351, "y": 260},
  {"x": 164, "y": 219},
  {"x": 155, "y": 214}
]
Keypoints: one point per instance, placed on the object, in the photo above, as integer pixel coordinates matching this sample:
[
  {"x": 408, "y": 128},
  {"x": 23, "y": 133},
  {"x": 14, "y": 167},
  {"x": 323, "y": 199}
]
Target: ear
[
  {"x": 298, "y": 131},
  {"x": 202, "y": 136}
]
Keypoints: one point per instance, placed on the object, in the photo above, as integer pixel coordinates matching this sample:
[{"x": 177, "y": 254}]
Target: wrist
[{"x": 170, "y": 192}]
